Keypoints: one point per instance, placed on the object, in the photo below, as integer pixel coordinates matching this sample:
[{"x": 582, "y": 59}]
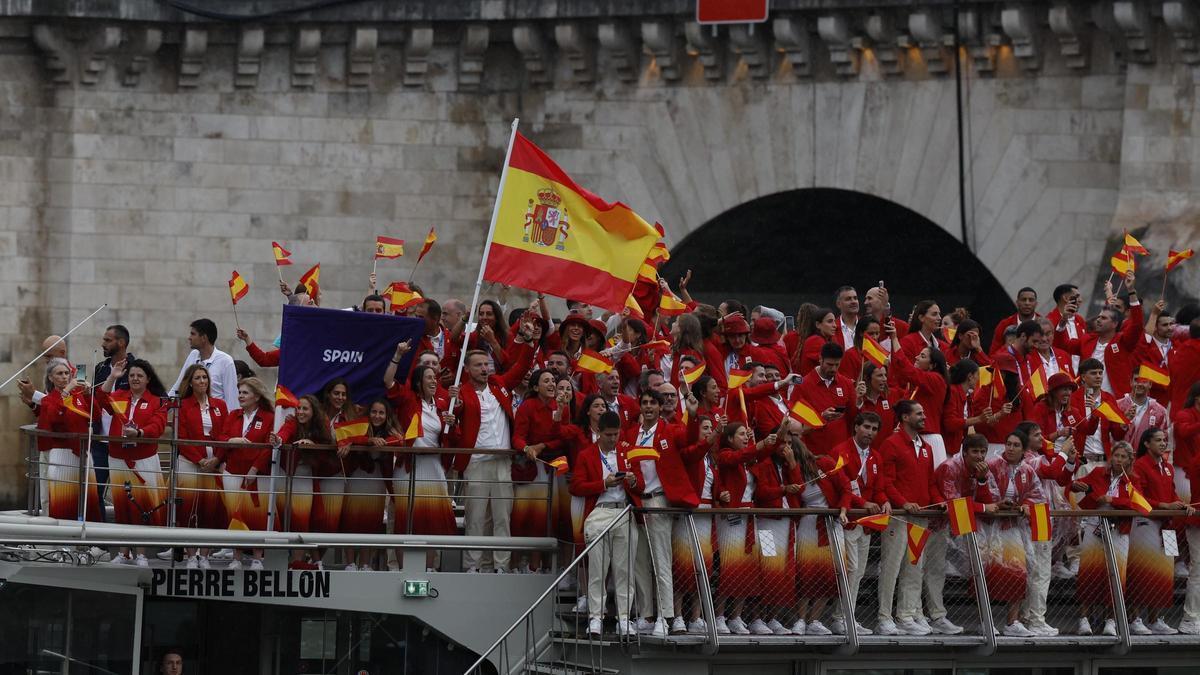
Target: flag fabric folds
[
  {"x": 962, "y": 516},
  {"x": 1155, "y": 374},
  {"x": 238, "y": 288},
  {"x": 669, "y": 305},
  {"x": 352, "y": 432},
  {"x": 75, "y": 404},
  {"x": 690, "y": 376},
  {"x": 387, "y": 247},
  {"x": 917, "y": 538},
  {"x": 1111, "y": 413},
  {"x": 402, "y": 296},
  {"x": 1138, "y": 500},
  {"x": 554, "y": 236},
  {"x": 1039, "y": 522},
  {"x": 282, "y": 255},
  {"x": 805, "y": 413},
  {"x": 429, "y": 240},
  {"x": 284, "y": 398},
  {"x": 1176, "y": 257},
  {"x": 639, "y": 454},
  {"x": 414, "y": 430},
  {"x": 737, "y": 378},
  {"x": 1134, "y": 246},
  {"x": 878, "y": 522},
  {"x": 1039, "y": 385},
  {"x": 1123, "y": 262},
  {"x": 873, "y": 351},
  {"x": 635, "y": 310},
  {"x": 560, "y": 465},
  {"x": 311, "y": 280},
  {"x": 593, "y": 362}
]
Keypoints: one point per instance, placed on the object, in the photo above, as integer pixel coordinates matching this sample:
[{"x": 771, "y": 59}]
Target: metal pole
[
  {"x": 1120, "y": 616},
  {"x": 836, "y": 549},
  {"x": 412, "y": 495},
  {"x": 173, "y": 485},
  {"x": 56, "y": 343},
  {"x": 33, "y": 467},
  {"x": 986, "y": 621},
  {"x": 703, "y": 589}
]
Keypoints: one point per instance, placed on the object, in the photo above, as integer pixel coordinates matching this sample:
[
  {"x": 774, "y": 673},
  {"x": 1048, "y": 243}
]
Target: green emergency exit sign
[{"x": 416, "y": 589}]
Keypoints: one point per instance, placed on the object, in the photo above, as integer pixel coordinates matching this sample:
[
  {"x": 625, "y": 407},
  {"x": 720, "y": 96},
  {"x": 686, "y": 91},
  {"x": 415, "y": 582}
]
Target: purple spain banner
[{"x": 318, "y": 345}]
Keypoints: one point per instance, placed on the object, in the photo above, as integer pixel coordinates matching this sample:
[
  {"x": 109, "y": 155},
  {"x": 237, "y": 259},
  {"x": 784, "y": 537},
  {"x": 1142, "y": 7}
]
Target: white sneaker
[
  {"x": 800, "y": 627},
  {"x": 203, "y": 560},
  {"x": 223, "y": 554},
  {"x": 1137, "y": 627},
  {"x": 1073, "y": 566},
  {"x": 193, "y": 562},
  {"x": 643, "y": 626},
  {"x": 566, "y": 583},
  {"x": 625, "y": 628},
  {"x": 944, "y": 626},
  {"x": 595, "y": 627},
  {"x": 1060, "y": 571},
  {"x": 738, "y": 627},
  {"x": 119, "y": 559},
  {"x": 1189, "y": 627},
  {"x": 581, "y": 605},
  {"x": 1160, "y": 627},
  {"x": 778, "y": 628},
  {"x": 472, "y": 570},
  {"x": 1181, "y": 569},
  {"x": 1017, "y": 629},
  {"x": 501, "y": 570},
  {"x": 909, "y": 626},
  {"x": 235, "y": 564},
  {"x": 141, "y": 561},
  {"x": 166, "y": 554},
  {"x": 99, "y": 554},
  {"x": 923, "y": 622},
  {"x": 759, "y": 627},
  {"x": 351, "y": 568},
  {"x": 887, "y": 627},
  {"x": 678, "y": 626},
  {"x": 1085, "y": 627},
  {"x": 697, "y": 626},
  {"x": 722, "y": 626},
  {"x": 863, "y": 630},
  {"x": 1110, "y": 627},
  {"x": 660, "y": 628},
  {"x": 256, "y": 564},
  {"x": 1041, "y": 628},
  {"x": 817, "y": 628},
  {"x": 838, "y": 626}
]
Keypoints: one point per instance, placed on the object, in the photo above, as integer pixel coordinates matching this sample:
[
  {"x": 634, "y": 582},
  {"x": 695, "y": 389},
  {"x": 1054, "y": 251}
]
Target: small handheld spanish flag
[
  {"x": 669, "y": 305},
  {"x": 962, "y": 516},
  {"x": 1176, "y": 257},
  {"x": 429, "y": 239},
  {"x": 284, "y": 398},
  {"x": 593, "y": 362},
  {"x": 1137, "y": 499},
  {"x": 1134, "y": 246},
  {"x": 648, "y": 272},
  {"x": 414, "y": 430},
  {"x": 878, "y": 522},
  {"x": 1039, "y": 522},
  {"x": 238, "y": 288},
  {"x": 1039, "y": 385},
  {"x": 352, "y": 432},
  {"x": 635, "y": 310},
  {"x": 874, "y": 352},
  {"x": 402, "y": 296},
  {"x": 1110, "y": 413},
  {"x": 917, "y": 537},
  {"x": 282, "y": 255},
  {"x": 387, "y": 247},
  {"x": 737, "y": 378},
  {"x": 803, "y": 412},
  {"x": 75, "y": 404},
  {"x": 1156, "y": 375},
  {"x": 1123, "y": 262},
  {"x": 311, "y": 280},
  {"x": 690, "y": 376},
  {"x": 640, "y": 454},
  {"x": 560, "y": 465}
]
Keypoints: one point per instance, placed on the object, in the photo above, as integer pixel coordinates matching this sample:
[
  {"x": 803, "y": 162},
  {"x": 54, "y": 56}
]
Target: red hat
[
  {"x": 765, "y": 332},
  {"x": 574, "y": 318},
  {"x": 1060, "y": 379},
  {"x": 1005, "y": 361},
  {"x": 734, "y": 324},
  {"x": 598, "y": 326}
]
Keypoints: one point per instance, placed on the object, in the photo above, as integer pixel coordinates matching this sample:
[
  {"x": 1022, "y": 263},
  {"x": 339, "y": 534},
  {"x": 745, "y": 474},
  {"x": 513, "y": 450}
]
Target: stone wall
[{"x": 140, "y": 168}]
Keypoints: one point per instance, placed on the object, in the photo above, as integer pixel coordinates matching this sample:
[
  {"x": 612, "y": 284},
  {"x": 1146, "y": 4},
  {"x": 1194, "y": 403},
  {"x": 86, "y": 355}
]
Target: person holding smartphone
[{"x": 829, "y": 393}]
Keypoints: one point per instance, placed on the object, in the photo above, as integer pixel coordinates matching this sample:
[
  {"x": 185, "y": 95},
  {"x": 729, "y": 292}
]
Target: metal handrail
[
  {"x": 621, "y": 517},
  {"x": 704, "y": 591}
]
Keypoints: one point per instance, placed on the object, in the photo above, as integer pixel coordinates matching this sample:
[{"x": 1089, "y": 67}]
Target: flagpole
[
  {"x": 413, "y": 273},
  {"x": 56, "y": 343},
  {"x": 487, "y": 249}
]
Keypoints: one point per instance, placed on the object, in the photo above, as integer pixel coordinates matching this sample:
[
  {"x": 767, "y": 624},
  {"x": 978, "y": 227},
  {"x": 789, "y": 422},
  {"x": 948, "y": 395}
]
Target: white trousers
[
  {"x": 1191, "y": 600},
  {"x": 489, "y": 496},
  {"x": 1037, "y": 585},
  {"x": 857, "y": 545},
  {"x": 653, "y": 567},
  {"x": 613, "y": 554},
  {"x": 934, "y": 559},
  {"x": 898, "y": 580}
]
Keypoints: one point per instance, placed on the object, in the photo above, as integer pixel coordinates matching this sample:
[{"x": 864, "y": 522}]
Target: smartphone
[
  {"x": 839, "y": 409},
  {"x": 789, "y": 324},
  {"x": 81, "y": 372},
  {"x": 621, "y": 474}
]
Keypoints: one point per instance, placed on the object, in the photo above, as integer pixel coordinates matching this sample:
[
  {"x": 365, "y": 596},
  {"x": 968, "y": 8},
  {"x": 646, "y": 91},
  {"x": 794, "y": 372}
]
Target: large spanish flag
[{"x": 556, "y": 237}]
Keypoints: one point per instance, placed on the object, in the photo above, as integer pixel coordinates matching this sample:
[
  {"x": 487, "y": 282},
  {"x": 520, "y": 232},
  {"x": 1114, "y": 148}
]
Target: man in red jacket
[
  {"x": 602, "y": 476},
  {"x": 830, "y": 394},
  {"x": 1066, "y": 311},
  {"x": 1184, "y": 366},
  {"x": 855, "y": 451},
  {"x": 907, "y": 479},
  {"x": 1112, "y": 347},
  {"x": 846, "y": 301},
  {"x": 1026, "y": 311}
]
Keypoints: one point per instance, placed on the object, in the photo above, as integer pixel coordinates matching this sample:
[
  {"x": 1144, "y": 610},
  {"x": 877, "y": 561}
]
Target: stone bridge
[{"x": 148, "y": 148}]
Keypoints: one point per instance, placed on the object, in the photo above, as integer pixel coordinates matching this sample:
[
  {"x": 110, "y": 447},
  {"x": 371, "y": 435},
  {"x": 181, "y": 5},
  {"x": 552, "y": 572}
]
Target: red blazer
[
  {"x": 717, "y": 368},
  {"x": 810, "y": 353},
  {"x": 884, "y": 406},
  {"x": 733, "y": 464},
  {"x": 1185, "y": 369},
  {"x": 466, "y": 433},
  {"x": 765, "y": 417},
  {"x": 150, "y": 416},
  {"x": 53, "y": 415},
  {"x": 587, "y": 477},
  {"x": 1109, "y": 431},
  {"x": 1118, "y": 355},
  {"x": 772, "y": 354},
  {"x": 1156, "y": 480},
  {"x": 768, "y": 487},
  {"x": 954, "y": 420},
  {"x": 914, "y": 342},
  {"x": 998, "y": 335},
  {"x": 238, "y": 461},
  {"x": 535, "y": 424},
  {"x": 931, "y": 388},
  {"x": 840, "y": 393},
  {"x": 1055, "y": 318},
  {"x": 978, "y": 356},
  {"x": 1187, "y": 439},
  {"x": 627, "y": 408},
  {"x": 1034, "y": 360},
  {"x": 1047, "y": 420},
  {"x": 1147, "y": 351},
  {"x": 190, "y": 427},
  {"x": 1097, "y": 482},
  {"x": 905, "y": 477},
  {"x": 670, "y": 441},
  {"x": 265, "y": 359},
  {"x": 324, "y": 462}
]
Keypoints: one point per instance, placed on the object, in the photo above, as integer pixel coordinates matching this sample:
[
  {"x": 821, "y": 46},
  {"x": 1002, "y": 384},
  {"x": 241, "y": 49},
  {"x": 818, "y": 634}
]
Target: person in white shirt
[{"x": 203, "y": 341}]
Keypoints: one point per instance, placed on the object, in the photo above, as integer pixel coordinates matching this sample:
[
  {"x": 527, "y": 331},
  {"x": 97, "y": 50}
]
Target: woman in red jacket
[
  {"x": 366, "y": 492},
  {"x": 66, "y": 408},
  {"x": 928, "y": 377},
  {"x": 539, "y": 437},
  {"x": 925, "y": 327},
  {"x": 246, "y": 497},
  {"x": 683, "y": 559},
  {"x": 735, "y": 534},
  {"x": 306, "y": 428},
  {"x": 201, "y": 418},
  {"x": 820, "y": 486},
  {"x": 1105, "y": 488},
  {"x": 432, "y": 511},
  {"x": 1152, "y": 570},
  {"x": 708, "y": 396},
  {"x": 824, "y": 325},
  {"x": 139, "y": 493},
  {"x": 875, "y": 394},
  {"x": 578, "y": 435},
  {"x": 687, "y": 339},
  {"x": 852, "y": 358},
  {"x": 956, "y": 413}
]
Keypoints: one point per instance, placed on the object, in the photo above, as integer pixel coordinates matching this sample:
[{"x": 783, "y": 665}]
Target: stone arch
[{"x": 800, "y": 245}]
